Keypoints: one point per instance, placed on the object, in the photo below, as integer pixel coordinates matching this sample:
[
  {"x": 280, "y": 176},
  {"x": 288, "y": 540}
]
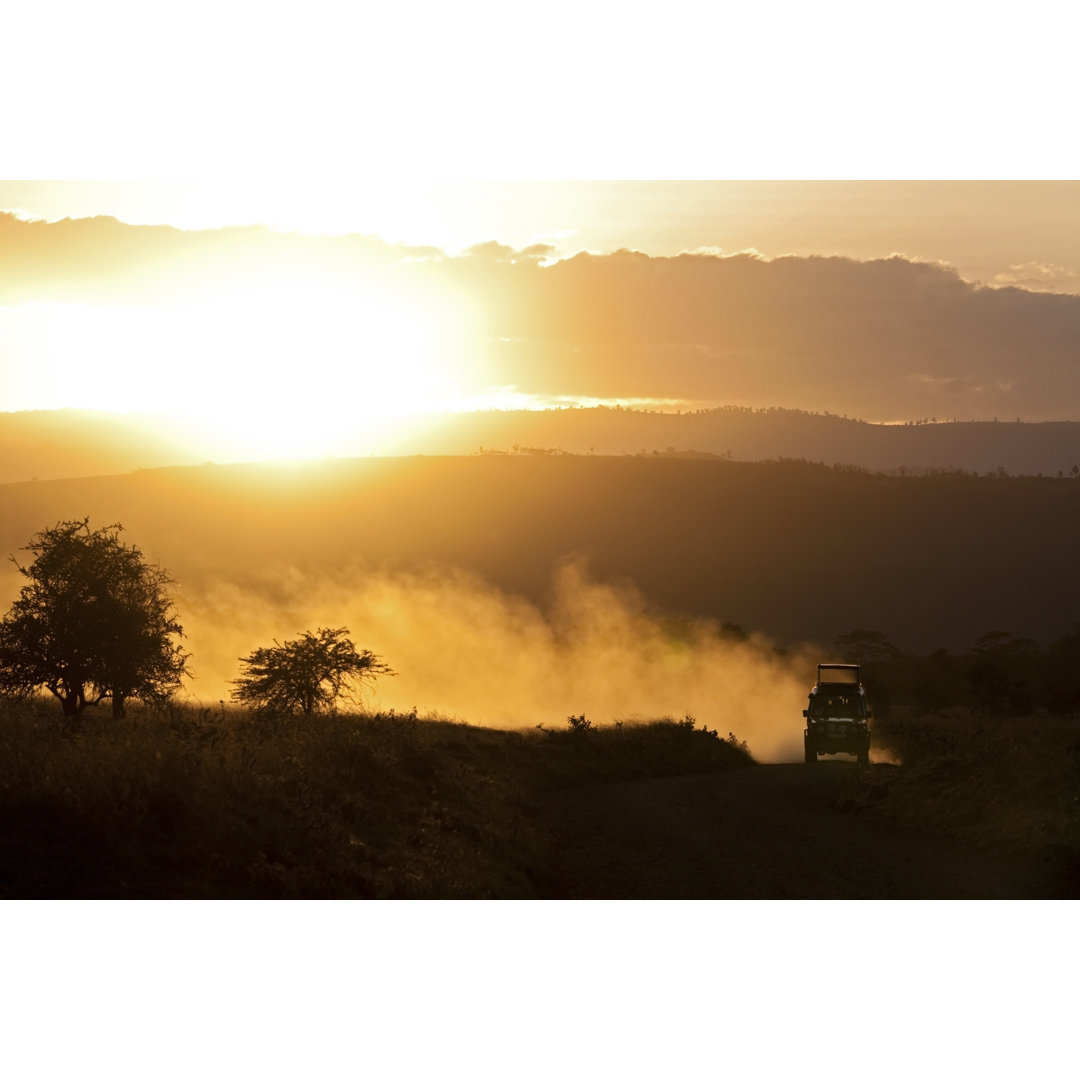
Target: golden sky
[
  {"x": 992, "y": 231},
  {"x": 885, "y": 301},
  {"x": 411, "y": 208}
]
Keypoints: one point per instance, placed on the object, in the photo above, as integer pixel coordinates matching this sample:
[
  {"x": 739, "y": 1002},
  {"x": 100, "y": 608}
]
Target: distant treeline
[
  {"x": 46, "y": 445},
  {"x": 1001, "y": 675},
  {"x": 797, "y": 551},
  {"x": 745, "y": 434}
]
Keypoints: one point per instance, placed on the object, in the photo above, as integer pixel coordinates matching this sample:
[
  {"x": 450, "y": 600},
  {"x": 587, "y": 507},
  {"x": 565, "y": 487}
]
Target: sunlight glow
[
  {"x": 511, "y": 399},
  {"x": 276, "y": 365},
  {"x": 311, "y": 365}
]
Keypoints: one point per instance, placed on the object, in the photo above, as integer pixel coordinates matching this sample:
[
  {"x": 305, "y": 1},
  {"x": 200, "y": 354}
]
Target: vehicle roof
[{"x": 842, "y": 675}]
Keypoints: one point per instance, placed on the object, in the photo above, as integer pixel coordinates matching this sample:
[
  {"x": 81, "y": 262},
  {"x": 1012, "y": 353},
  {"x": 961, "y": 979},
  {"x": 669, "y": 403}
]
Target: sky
[
  {"x": 381, "y": 213},
  {"x": 999, "y": 232},
  {"x": 338, "y": 119},
  {"x": 887, "y": 301}
]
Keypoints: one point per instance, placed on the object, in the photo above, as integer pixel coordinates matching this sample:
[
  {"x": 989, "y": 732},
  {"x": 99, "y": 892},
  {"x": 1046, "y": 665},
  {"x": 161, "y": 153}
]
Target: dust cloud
[{"x": 464, "y": 649}]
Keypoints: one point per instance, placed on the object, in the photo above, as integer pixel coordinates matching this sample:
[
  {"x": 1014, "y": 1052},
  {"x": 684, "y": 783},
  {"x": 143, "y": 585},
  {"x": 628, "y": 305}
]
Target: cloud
[
  {"x": 1039, "y": 277},
  {"x": 103, "y": 260},
  {"x": 491, "y": 249},
  {"x": 826, "y": 333},
  {"x": 878, "y": 339}
]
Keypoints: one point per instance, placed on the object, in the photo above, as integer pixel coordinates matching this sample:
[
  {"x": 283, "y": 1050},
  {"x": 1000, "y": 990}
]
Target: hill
[
  {"x": 183, "y": 803},
  {"x": 800, "y": 552},
  {"x": 53, "y": 445},
  {"x": 50, "y": 445},
  {"x": 764, "y": 434},
  {"x": 201, "y": 803}
]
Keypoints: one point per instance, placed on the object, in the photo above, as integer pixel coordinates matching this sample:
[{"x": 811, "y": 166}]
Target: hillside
[
  {"x": 74, "y": 442},
  {"x": 54, "y": 445},
  {"x": 183, "y": 803},
  {"x": 216, "y": 804},
  {"x": 799, "y": 552},
  {"x": 765, "y": 434}
]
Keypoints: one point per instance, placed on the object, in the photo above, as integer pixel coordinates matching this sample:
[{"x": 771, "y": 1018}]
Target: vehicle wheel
[
  {"x": 810, "y": 754},
  {"x": 864, "y": 756}
]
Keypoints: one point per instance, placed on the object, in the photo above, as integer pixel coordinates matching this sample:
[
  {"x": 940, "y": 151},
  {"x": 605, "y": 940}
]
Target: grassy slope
[
  {"x": 1010, "y": 784},
  {"x": 796, "y": 552},
  {"x": 80, "y": 443},
  {"x": 186, "y": 803},
  {"x": 182, "y": 803}
]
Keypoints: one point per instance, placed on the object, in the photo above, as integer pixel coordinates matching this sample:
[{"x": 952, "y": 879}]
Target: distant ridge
[
  {"x": 69, "y": 443},
  {"x": 56, "y": 444},
  {"x": 744, "y": 434},
  {"x": 798, "y": 551}
]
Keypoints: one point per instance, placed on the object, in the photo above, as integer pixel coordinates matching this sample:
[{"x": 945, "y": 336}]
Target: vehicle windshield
[
  {"x": 837, "y": 705},
  {"x": 838, "y": 673}
]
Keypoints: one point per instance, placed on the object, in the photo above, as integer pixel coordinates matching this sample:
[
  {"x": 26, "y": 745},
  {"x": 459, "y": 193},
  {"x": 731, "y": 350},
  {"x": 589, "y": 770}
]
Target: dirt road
[{"x": 768, "y": 832}]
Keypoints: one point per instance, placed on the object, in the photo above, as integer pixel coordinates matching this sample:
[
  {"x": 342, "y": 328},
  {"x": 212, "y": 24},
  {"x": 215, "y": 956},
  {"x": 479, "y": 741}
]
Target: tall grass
[
  {"x": 1009, "y": 783},
  {"x": 182, "y": 802}
]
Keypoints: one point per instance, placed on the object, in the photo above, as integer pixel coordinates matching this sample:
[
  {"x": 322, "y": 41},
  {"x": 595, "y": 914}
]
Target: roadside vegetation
[
  {"x": 1009, "y": 784},
  {"x": 175, "y": 802},
  {"x": 1001, "y": 675},
  {"x": 93, "y": 621},
  {"x": 988, "y": 741},
  {"x": 290, "y": 798}
]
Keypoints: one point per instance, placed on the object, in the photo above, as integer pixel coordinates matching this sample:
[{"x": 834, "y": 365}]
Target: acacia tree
[
  {"x": 1004, "y": 673},
  {"x": 93, "y": 621},
  {"x": 866, "y": 647},
  {"x": 310, "y": 673}
]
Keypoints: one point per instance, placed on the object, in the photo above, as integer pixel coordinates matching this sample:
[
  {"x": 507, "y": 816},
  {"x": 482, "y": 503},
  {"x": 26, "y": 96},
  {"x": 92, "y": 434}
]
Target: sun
[
  {"x": 293, "y": 368},
  {"x": 276, "y": 364}
]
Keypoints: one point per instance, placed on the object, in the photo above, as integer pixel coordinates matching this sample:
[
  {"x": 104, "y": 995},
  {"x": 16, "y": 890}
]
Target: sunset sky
[
  {"x": 841, "y": 217},
  {"x": 887, "y": 301},
  {"x": 288, "y": 231}
]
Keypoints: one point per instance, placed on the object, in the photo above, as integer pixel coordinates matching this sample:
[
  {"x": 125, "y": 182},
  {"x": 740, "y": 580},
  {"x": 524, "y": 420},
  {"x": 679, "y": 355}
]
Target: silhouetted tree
[
  {"x": 938, "y": 681},
  {"x": 874, "y": 652},
  {"x": 310, "y": 673},
  {"x": 1063, "y": 674},
  {"x": 1004, "y": 673},
  {"x": 866, "y": 647},
  {"x": 93, "y": 621}
]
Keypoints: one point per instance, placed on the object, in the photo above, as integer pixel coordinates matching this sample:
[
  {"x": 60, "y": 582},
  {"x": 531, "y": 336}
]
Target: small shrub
[{"x": 731, "y": 740}]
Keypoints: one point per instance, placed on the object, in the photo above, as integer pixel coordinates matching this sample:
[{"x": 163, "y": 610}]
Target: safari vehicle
[{"x": 838, "y": 714}]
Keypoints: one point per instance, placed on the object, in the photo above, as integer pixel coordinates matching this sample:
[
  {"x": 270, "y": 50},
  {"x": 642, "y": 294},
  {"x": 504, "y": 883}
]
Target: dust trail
[
  {"x": 883, "y": 755},
  {"x": 465, "y": 649}
]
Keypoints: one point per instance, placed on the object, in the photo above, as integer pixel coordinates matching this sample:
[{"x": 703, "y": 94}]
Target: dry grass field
[
  {"x": 177, "y": 802},
  {"x": 1005, "y": 783},
  {"x": 184, "y": 803}
]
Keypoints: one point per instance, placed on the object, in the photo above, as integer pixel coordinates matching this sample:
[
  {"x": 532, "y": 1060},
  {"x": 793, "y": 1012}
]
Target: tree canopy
[
  {"x": 94, "y": 620},
  {"x": 310, "y": 673}
]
